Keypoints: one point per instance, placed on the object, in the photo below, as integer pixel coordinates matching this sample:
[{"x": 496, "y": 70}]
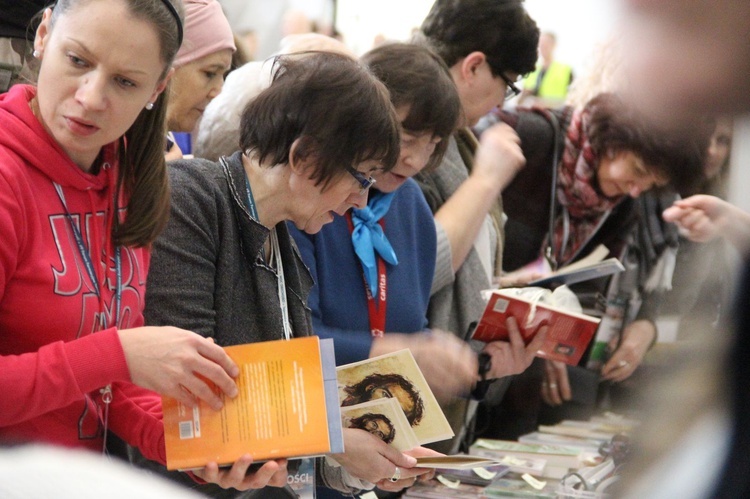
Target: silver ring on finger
[
  {"x": 623, "y": 363},
  {"x": 396, "y": 475}
]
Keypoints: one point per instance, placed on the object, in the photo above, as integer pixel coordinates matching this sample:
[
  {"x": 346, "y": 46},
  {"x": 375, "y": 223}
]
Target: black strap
[{"x": 549, "y": 251}]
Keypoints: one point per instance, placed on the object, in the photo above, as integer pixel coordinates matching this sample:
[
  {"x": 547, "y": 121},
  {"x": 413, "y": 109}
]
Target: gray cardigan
[{"x": 207, "y": 276}]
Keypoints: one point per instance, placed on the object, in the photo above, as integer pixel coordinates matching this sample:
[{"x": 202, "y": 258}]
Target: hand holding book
[
  {"x": 513, "y": 356},
  {"x": 569, "y": 332},
  {"x": 371, "y": 459},
  {"x": 270, "y": 474},
  {"x": 409, "y": 476}
]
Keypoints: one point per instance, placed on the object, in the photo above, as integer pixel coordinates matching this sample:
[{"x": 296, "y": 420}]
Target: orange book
[
  {"x": 567, "y": 338},
  {"x": 287, "y": 407}
]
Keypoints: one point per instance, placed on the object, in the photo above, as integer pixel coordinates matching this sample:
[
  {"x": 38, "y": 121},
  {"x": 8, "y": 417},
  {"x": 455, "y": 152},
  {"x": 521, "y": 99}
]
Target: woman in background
[
  {"x": 599, "y": 158},
  {"x": 204, "y": 59}
]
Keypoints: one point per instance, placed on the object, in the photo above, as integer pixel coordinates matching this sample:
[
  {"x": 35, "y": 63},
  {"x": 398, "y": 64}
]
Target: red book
[{"x": 569, "y": 332}]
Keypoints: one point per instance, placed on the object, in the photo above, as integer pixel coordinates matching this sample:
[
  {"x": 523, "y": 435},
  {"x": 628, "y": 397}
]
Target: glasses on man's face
[
  {"x": 364, "y": 181},
  {"x": 511, "y": 90}
]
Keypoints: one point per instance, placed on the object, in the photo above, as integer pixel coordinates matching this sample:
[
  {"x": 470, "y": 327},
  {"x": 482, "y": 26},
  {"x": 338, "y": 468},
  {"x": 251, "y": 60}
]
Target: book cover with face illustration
[
  {"x": 385, "y": 419},
  {"x": 395, "y": 376}
]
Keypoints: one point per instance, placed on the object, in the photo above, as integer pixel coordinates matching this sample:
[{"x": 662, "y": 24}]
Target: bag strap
[{"x": 549, "y": 252}]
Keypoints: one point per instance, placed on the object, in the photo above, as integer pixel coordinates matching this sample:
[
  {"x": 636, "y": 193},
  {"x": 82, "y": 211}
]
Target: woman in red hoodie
[{"x": 83, "y": 193}]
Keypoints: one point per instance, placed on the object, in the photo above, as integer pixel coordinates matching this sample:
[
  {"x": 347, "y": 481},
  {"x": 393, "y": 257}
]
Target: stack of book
[
  {"x": 538, "y": 459},
  {"x": 587, "y": 436},
  {"x": 504, "y": 487}
]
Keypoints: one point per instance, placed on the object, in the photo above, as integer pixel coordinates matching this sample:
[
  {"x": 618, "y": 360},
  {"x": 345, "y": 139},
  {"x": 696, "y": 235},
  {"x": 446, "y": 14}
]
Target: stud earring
[
  {"x": 149, "y": 106},
  {"x": 36, "y": 54}
]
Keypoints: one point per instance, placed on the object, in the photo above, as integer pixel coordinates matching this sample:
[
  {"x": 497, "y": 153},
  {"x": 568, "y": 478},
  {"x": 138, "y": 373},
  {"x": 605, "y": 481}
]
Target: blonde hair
[{"x": 604, "y": 74}]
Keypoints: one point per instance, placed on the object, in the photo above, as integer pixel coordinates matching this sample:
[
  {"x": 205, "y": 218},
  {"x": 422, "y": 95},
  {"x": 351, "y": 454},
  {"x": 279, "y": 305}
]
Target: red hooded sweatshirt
[{"x": 52, "y": 364}]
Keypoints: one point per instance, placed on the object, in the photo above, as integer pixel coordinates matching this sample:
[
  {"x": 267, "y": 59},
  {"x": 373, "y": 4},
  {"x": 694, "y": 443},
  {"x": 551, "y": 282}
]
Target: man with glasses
[{"x": 487, "y": 44}]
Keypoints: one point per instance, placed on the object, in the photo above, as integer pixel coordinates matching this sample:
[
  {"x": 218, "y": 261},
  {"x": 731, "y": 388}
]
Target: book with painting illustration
[
  {"x": 378, "y": 386},
  {"x": 397, "y": 376},
  {"x": 384, "y": 418}
]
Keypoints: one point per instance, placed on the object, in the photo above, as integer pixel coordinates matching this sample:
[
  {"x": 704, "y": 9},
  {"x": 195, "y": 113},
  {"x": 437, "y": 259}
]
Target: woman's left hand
[
  {"x": 636, "y": 340},
  {"x": 271, "y": 474},
  {"x": 556, "y": 385},
  {"x": 411, "y": 475}
]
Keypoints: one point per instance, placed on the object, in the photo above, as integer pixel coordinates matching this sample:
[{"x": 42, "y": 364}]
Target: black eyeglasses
[
  {"x": 364, "y": 181},
  {"x": 511, "y": 90}
]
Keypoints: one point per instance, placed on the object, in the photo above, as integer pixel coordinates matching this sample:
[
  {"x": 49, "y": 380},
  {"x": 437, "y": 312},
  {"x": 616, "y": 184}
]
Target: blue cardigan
[{"x": 338, "y": 300}]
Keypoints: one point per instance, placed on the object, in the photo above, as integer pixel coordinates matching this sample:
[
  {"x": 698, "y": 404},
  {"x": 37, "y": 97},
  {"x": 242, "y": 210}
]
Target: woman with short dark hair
[{"x": 226, "y": 266}]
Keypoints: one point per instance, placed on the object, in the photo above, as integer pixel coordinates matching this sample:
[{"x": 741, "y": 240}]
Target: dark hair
[
  {"x": 360, "y": 392},
  {"x": 341, "y": 112},
  {"x": 142, "y": 173},
  {"x": 677, "y": 155},
  {"x": 501, "y": 29},
  {"x": 416, "y": 77},
  {"x": 361, "y": 423}
]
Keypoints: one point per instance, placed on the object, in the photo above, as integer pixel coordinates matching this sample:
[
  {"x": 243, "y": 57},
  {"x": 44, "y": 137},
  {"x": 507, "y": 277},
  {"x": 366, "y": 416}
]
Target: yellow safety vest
[{"x": 555, "y": 82}]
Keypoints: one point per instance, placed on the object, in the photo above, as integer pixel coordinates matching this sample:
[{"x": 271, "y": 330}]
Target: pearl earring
[
  {"x": 36, "y": 54},
  {"x": 149, "y": 106}
]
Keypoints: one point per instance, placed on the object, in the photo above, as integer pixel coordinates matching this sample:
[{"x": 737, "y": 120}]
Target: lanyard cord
[
  {"x": 376, "y": 306},
  {"x": 88, "y": 262},
  {"x": 90, "y": 270},
  {"x": 275, "y": 256}
]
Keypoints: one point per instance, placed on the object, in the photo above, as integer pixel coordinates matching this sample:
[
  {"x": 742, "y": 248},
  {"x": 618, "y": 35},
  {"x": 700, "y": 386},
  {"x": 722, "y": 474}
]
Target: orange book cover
[
  {"x": 281, "y": 411},
  {"x": 567, "y": 338}
]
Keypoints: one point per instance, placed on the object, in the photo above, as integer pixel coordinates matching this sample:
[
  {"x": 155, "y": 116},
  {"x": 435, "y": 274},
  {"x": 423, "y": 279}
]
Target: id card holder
[{"x": 302, "y": 482}]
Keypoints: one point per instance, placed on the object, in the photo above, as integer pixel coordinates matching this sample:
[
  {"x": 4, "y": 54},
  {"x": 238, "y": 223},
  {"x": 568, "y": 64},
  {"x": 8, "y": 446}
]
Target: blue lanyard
[
  {"x": 251, "y": 200},
  {"x": 275, "y": 253},
  {"x": 87, "y": 261}
]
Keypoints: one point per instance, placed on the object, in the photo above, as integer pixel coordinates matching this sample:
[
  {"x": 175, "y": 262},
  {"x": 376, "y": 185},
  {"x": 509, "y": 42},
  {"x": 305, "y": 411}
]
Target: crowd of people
[{"x": 152, "y": 215}]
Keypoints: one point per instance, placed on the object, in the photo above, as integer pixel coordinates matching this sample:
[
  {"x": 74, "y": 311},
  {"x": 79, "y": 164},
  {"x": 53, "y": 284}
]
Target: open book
[
  {"x": 567, "y": 338},
  {"x": 593, "y": 265},
  {"x": 287, "y": 407}
]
